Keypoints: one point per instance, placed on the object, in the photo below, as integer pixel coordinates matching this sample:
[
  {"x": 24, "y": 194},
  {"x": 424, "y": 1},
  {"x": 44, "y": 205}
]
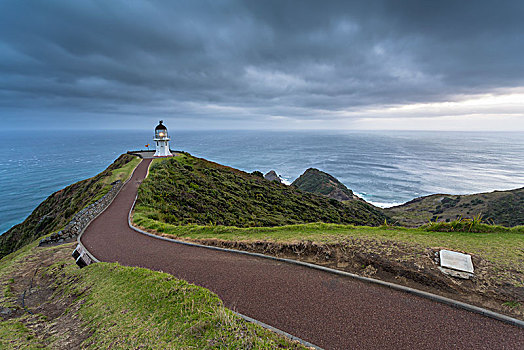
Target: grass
[
  {"x": 134, "y": 307},
  {"x": 498, "y": 207},
  {"x": 60, "y": 207},
  {"x": 15, "y": 335},
  {"x": 316, "y": 181},
  {"x": 7, "y": 265},
  {"x": 188, "y": 190},
  {"x": 512, "y": 304},
  {"x": 122, "y": 307},
  {"x": 119, "y": 174},
  {"x": 473, "y": 224},
  {"x": 123, "y": 173},
  {"x": 503, "y": 246}
]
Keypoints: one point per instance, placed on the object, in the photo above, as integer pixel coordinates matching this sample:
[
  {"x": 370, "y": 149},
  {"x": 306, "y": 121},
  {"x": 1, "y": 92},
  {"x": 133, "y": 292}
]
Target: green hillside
[
  {"x": 59, "y": 208},
  {"x": 317, "y": 181},
  {"x": 188, "y": 190},
  {"x": 499, "y": 207}
]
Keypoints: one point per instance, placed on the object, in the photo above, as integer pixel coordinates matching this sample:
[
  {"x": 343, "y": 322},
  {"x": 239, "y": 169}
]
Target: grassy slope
[
  {"x": 500, "y": 207},
  {"x": 56, "y": 211},
  {"x": 316, "y": 181},
  {"x": 188, "y": 190},
  {"x": 111, "y": 306}
]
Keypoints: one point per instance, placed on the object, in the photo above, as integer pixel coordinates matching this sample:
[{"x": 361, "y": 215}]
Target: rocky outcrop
[
  {"x": 319, "y": 182},
  {"x": 272, "y": 176},
  {"x": 81, "y": 219}
]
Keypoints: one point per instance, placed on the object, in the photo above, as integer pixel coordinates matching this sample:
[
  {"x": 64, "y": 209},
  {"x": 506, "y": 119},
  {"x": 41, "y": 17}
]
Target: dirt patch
[
  {"x": 37, "y": 302},
  {"x": 405, "y": 264}
]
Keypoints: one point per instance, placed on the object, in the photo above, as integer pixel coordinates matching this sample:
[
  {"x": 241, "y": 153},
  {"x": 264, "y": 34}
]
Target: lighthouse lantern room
[{"x": 162, "y": 141}]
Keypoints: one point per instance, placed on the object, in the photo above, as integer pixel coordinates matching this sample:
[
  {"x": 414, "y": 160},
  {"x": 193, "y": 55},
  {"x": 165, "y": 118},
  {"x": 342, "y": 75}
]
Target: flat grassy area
[
  {"x": 505, "y": 248},
  {"x": 109, "y": 306}
]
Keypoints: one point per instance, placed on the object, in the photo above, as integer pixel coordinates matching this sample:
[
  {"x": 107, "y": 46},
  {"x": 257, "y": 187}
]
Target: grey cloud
[{"x": 261, "y": 58}]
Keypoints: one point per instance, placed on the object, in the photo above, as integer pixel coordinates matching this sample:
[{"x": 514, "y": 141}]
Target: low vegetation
[
  {"x": 507, "y": 209},
  {"x": 474, "y": 224},
  {"x": 504, "y": 208},
  {"x": 58, "y": 209},
  {"x": 47, "y": 302},
  {"x": 108, "y": 306},
  {"x": 319, "y": 182},
  {"x": 188, "y": 190}
]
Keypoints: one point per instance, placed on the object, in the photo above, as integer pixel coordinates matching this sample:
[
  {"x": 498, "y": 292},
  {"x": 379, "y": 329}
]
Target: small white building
[{"x": 162, "y": 141}]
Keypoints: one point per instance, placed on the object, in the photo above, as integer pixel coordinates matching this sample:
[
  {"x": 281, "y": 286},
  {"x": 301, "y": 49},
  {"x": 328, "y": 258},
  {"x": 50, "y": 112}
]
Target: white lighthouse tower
[{"x": 162, "y": 141}]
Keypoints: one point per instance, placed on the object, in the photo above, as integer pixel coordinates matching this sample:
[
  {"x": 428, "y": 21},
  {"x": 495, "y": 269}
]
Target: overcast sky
[{"x": 437, "y": 65}]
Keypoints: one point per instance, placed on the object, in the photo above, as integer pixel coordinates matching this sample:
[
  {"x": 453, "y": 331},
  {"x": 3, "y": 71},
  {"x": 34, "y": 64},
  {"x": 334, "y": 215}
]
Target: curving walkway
[{"x": 330, "y": 311}]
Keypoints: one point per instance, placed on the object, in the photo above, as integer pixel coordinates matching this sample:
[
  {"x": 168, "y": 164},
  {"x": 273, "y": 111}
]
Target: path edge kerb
[
  {"x": 278, "y": 331},
  {"x": 427, "y": 295},
  {"x": 93, "y": 258}
]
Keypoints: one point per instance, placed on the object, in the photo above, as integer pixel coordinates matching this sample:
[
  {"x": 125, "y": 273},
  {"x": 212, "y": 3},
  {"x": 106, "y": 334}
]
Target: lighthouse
[{"x": 162, "y": 141}]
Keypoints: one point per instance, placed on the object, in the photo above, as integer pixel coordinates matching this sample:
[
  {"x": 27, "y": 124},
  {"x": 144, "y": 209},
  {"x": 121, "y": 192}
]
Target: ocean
[{"x": 386, "y": 168}]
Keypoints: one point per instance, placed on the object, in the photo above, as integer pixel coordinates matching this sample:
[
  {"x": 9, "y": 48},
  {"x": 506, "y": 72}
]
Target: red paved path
[{"x": 327, "y": 310}]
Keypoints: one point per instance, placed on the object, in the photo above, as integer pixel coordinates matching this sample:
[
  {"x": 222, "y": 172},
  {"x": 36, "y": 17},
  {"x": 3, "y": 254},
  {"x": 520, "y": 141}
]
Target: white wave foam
[
  {"x": 284, "y": 180},
  {"x": 384, "y": 205},
  {"x": 377, "y": 204}
]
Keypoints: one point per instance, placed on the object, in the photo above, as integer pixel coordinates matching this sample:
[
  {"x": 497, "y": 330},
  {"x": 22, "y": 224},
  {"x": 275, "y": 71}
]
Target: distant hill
[
  {"x": 319, "y": 182},
  {"x": 500, "y": 207},
  {"x": 272, "y": 176},
  {"x": 189, "y": 190}
]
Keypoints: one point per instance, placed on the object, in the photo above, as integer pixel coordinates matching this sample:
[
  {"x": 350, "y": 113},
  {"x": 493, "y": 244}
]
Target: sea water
[{"x": 384, "y": 167}]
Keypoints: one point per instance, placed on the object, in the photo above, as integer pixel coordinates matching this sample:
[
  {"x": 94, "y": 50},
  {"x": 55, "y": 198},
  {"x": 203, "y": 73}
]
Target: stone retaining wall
[{"x": 81, "y": 219}]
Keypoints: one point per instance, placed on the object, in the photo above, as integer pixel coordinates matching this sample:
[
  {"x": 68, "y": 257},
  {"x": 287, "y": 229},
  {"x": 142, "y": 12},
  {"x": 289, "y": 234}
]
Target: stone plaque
[{"x": 456, "y": 261}]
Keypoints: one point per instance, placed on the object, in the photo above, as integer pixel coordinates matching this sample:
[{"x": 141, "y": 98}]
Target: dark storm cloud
[{"x": 253, "y": 59}]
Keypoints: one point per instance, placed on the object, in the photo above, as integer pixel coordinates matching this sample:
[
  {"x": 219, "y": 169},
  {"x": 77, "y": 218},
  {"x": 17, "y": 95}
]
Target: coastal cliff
[{"x": 60, "y": 207}]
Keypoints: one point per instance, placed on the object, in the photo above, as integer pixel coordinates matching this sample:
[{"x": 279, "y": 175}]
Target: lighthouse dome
[
  {"x": 160, "y": 126},
  {"x": 162, "y": 141}
]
